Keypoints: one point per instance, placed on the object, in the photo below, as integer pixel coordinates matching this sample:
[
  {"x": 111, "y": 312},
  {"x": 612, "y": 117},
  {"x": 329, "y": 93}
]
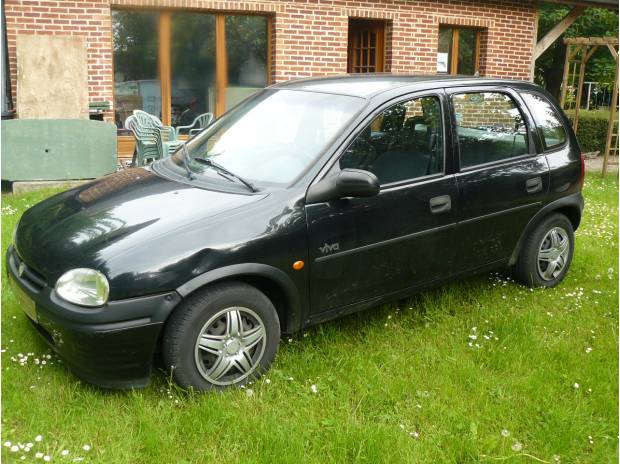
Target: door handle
[
  {"x": 440, "y": 204},
  {"x": 533, "y": 185}
]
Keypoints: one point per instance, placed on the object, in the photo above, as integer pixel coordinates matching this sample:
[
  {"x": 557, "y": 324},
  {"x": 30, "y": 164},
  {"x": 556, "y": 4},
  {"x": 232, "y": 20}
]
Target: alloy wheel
[
  {"x": 230, "y": 346},
  {"x": 553, "y": 253}
]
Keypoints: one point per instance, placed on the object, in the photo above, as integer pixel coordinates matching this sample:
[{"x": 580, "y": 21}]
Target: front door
[
  {"x": 365, "y": 248},
  {"x": 502, "y": 180}
]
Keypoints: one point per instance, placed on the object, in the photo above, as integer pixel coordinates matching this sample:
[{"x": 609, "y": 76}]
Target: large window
[
  {"x": 177, "y": 65},
  {"x": 490, "y": 128},
  {"x": 458, "y": 50},
  {"x": 404, "y": 142}
]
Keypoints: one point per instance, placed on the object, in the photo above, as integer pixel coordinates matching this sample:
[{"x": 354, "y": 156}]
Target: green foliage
[
  {"x": 481, "y": 370},
  {"x": 594, "y": 22},
  {"x": 592, "y": 130}
]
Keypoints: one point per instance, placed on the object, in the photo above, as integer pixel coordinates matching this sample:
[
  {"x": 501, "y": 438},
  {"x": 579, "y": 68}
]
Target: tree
[{"x": 594, "y": 22}]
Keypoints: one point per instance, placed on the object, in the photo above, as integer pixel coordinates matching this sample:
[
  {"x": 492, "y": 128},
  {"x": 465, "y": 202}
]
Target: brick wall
[{"x": 309, "y": 36}]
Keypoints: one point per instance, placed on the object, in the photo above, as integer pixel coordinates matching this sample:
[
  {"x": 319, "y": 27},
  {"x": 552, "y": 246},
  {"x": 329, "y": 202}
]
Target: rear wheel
[
  {"x": 223, "y": 335},
  {"x": 547, "y": 252}
]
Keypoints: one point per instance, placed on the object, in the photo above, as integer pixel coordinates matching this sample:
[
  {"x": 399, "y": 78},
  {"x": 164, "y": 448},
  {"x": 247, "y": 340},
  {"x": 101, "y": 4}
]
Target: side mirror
[{"x": 346, "y": 183}]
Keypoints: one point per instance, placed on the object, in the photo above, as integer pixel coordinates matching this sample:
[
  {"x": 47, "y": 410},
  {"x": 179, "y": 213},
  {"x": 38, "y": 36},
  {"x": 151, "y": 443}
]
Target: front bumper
[{"x": 110, "y": 346}]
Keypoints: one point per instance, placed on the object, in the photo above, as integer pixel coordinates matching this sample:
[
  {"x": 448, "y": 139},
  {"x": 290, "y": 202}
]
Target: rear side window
[
  {"x": 547, "y": 120},
  {"x": 490, "y": 127}
]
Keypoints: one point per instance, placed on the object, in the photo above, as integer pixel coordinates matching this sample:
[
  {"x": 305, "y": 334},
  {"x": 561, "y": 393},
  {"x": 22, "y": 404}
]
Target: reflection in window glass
[
  {"x": 444, "y": 49},
  {"x": 404, "y": 142},
  {"x": 246, "y": 51},
  {"x": 192, "y": 56},
  {"x": 136, "y": 85},
  {"x": 490, "y": 128},
  {"x": 547, "y": 120},
  {"x": 467, "y": 52}
]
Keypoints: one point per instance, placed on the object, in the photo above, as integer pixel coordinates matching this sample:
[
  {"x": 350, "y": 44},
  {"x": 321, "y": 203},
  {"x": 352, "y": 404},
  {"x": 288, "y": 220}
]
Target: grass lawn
[{"x": 482, "y": 370}]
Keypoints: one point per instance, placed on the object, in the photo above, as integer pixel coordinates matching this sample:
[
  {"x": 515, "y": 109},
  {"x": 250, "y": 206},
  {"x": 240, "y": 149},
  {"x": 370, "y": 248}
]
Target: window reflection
[
  {"x": 246, "y": 53},
  {"x": 136, "y": 82},
  {"x": 192, "y": 51}
]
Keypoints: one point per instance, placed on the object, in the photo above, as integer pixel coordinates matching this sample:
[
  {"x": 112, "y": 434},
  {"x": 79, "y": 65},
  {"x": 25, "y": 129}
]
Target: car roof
[{"x": 370, "y": 85}]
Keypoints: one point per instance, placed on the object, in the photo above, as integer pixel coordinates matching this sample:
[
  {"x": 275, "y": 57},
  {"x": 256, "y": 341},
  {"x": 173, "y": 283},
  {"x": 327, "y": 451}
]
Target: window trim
[
  {"x": 357, "y": 130},
  {"x": 519, "y": 104},
  {"x": 164, "y": 66},
  {"x": 545, "y": 148}
]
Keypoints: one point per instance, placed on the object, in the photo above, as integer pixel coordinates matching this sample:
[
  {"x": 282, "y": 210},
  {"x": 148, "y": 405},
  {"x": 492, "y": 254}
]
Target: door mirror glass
[{"x": 345, "y": 183}]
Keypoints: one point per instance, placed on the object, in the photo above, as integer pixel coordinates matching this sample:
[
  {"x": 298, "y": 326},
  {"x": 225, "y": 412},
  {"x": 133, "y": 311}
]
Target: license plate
[{"x": 24, "y": 301}]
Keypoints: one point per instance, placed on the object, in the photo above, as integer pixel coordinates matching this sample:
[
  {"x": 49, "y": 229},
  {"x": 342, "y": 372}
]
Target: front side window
[
  {"x": 273, "y": 137},
  {"x": 490, "y": 127},
  {"x": 404, "y": 142},
  {"x": 547, "y": 120}
]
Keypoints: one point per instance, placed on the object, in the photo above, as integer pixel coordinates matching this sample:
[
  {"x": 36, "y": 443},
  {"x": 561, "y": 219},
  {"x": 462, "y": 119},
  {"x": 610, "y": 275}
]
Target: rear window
[{"x": 547, "y": 120}]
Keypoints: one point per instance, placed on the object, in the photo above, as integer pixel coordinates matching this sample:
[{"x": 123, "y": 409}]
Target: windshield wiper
[
  {"x": 221, "y": 170},
  {"x": 186, "y": 160}
]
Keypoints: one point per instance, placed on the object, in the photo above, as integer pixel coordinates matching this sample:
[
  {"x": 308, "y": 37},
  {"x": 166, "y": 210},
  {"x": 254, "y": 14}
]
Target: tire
[
  {"x": 204, "y": 346},
  {"x": 547, "y": 252}
]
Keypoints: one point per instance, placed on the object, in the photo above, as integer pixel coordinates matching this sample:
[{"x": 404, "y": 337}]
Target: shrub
[{"x": 592, "y": 133}]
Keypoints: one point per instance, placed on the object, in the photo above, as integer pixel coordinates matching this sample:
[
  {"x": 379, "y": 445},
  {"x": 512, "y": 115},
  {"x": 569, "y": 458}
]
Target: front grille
[{"x": 28, "y": 275}]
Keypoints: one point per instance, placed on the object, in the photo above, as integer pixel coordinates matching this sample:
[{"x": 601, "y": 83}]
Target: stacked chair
[
  {"x": 197, "y": 125},
  {"x": 153, "y": 140}
]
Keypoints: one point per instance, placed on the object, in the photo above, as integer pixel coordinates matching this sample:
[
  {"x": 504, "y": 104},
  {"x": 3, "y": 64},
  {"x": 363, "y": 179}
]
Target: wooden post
[
  {"x": 564, "y": 88},
  {"x": 582, "y": 70},
  {"x": 612, "y": 121}
]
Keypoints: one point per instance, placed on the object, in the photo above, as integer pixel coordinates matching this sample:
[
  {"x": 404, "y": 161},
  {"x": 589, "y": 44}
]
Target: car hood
[{"x": 91, "y": 224}]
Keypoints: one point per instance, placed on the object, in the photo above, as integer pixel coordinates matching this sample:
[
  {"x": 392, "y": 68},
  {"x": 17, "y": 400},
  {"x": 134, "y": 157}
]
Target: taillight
[{"x": 583, "y": 170}]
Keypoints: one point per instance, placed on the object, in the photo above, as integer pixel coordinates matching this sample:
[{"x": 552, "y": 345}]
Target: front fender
[{"x": 275, "y": 275}]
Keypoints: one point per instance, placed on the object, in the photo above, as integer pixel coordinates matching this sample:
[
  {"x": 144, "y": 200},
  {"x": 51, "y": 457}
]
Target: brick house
[{"x": 179, "y": 58}]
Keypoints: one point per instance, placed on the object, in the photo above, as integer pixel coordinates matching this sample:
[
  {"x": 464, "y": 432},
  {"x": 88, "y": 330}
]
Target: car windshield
[{"x": 271, "y": 138}]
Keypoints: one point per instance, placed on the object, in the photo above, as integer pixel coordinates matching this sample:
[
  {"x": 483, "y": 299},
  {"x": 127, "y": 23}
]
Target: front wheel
[
  {"x": 221, "y": 336},
  {"x": 547, "y": 252}
]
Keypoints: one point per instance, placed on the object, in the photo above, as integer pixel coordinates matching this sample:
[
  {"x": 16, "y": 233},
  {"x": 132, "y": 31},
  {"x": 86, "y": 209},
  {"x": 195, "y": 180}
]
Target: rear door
[{"x": 502, "y": 180}]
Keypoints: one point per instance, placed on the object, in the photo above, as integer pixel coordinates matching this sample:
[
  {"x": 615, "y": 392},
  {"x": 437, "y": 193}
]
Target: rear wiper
[{"x": 225, "y": 172}]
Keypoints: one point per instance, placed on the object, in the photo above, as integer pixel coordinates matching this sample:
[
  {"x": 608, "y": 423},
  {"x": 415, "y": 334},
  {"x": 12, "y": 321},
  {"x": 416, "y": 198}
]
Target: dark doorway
[{"x": 366, "y": 46}]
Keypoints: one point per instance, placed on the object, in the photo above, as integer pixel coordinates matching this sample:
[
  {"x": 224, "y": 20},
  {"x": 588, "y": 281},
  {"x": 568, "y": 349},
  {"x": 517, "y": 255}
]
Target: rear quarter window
[{"x": 548, "y": 121}]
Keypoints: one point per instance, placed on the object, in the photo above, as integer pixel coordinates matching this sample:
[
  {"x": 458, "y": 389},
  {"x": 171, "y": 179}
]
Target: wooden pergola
[{"x": 579, "y": 50}]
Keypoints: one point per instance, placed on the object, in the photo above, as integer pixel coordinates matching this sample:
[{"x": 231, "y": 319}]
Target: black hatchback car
[{"x": 310, "y": 200}]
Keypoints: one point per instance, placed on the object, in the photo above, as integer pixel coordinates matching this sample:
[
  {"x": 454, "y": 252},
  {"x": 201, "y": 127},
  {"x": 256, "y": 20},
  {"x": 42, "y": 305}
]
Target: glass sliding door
[
  {"x": 177, "y": 65},
  {"x": 246, "y": 56},
  {"x": 136, "y": 81},
  {"x": 192, "y": 67}
]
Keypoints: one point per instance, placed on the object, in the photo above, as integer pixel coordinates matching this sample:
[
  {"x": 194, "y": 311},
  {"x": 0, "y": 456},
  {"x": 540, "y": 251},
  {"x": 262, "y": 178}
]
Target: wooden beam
[
  {"x": 564, "y": 87},
  {"x": 613, "y": 52},
  {"x": 591, "y": 41},
  {"x": 454, "y": 58},
  {"x": 582, "y": 71},
  {"x": 221, "y": 67},
  {"x": 557, "y": 30},
  {"x": 590, "y": 53},
  {"x": 164, "y": 67}
]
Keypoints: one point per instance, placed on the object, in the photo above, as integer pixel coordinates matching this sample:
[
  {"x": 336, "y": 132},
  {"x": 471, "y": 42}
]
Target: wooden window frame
[{"x": 454, "y": 48}]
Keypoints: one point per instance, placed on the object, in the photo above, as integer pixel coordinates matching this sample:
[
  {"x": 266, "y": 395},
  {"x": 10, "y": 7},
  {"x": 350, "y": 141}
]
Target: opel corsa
[{"x": 310, "y": 200}]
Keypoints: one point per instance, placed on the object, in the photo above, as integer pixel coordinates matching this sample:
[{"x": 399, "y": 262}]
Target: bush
[{"x": 592, "y": 133}]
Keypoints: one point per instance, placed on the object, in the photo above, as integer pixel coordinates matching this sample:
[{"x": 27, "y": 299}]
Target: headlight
[{"x": 85, "y": 287}]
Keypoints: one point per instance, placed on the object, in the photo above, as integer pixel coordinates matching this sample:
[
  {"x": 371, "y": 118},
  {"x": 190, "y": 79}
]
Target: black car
[{"x": 310, "y": 200}]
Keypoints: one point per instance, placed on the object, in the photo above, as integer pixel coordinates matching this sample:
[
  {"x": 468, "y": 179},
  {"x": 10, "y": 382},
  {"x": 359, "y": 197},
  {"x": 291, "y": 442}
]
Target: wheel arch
[
  {"x": 570, "y": 206},
  {"x": 273, "y": 282}
]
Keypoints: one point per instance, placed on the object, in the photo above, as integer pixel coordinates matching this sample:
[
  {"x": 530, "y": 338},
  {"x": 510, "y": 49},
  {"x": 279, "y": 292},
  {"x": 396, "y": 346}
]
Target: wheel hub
[{"x": 232, "y": 346}]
